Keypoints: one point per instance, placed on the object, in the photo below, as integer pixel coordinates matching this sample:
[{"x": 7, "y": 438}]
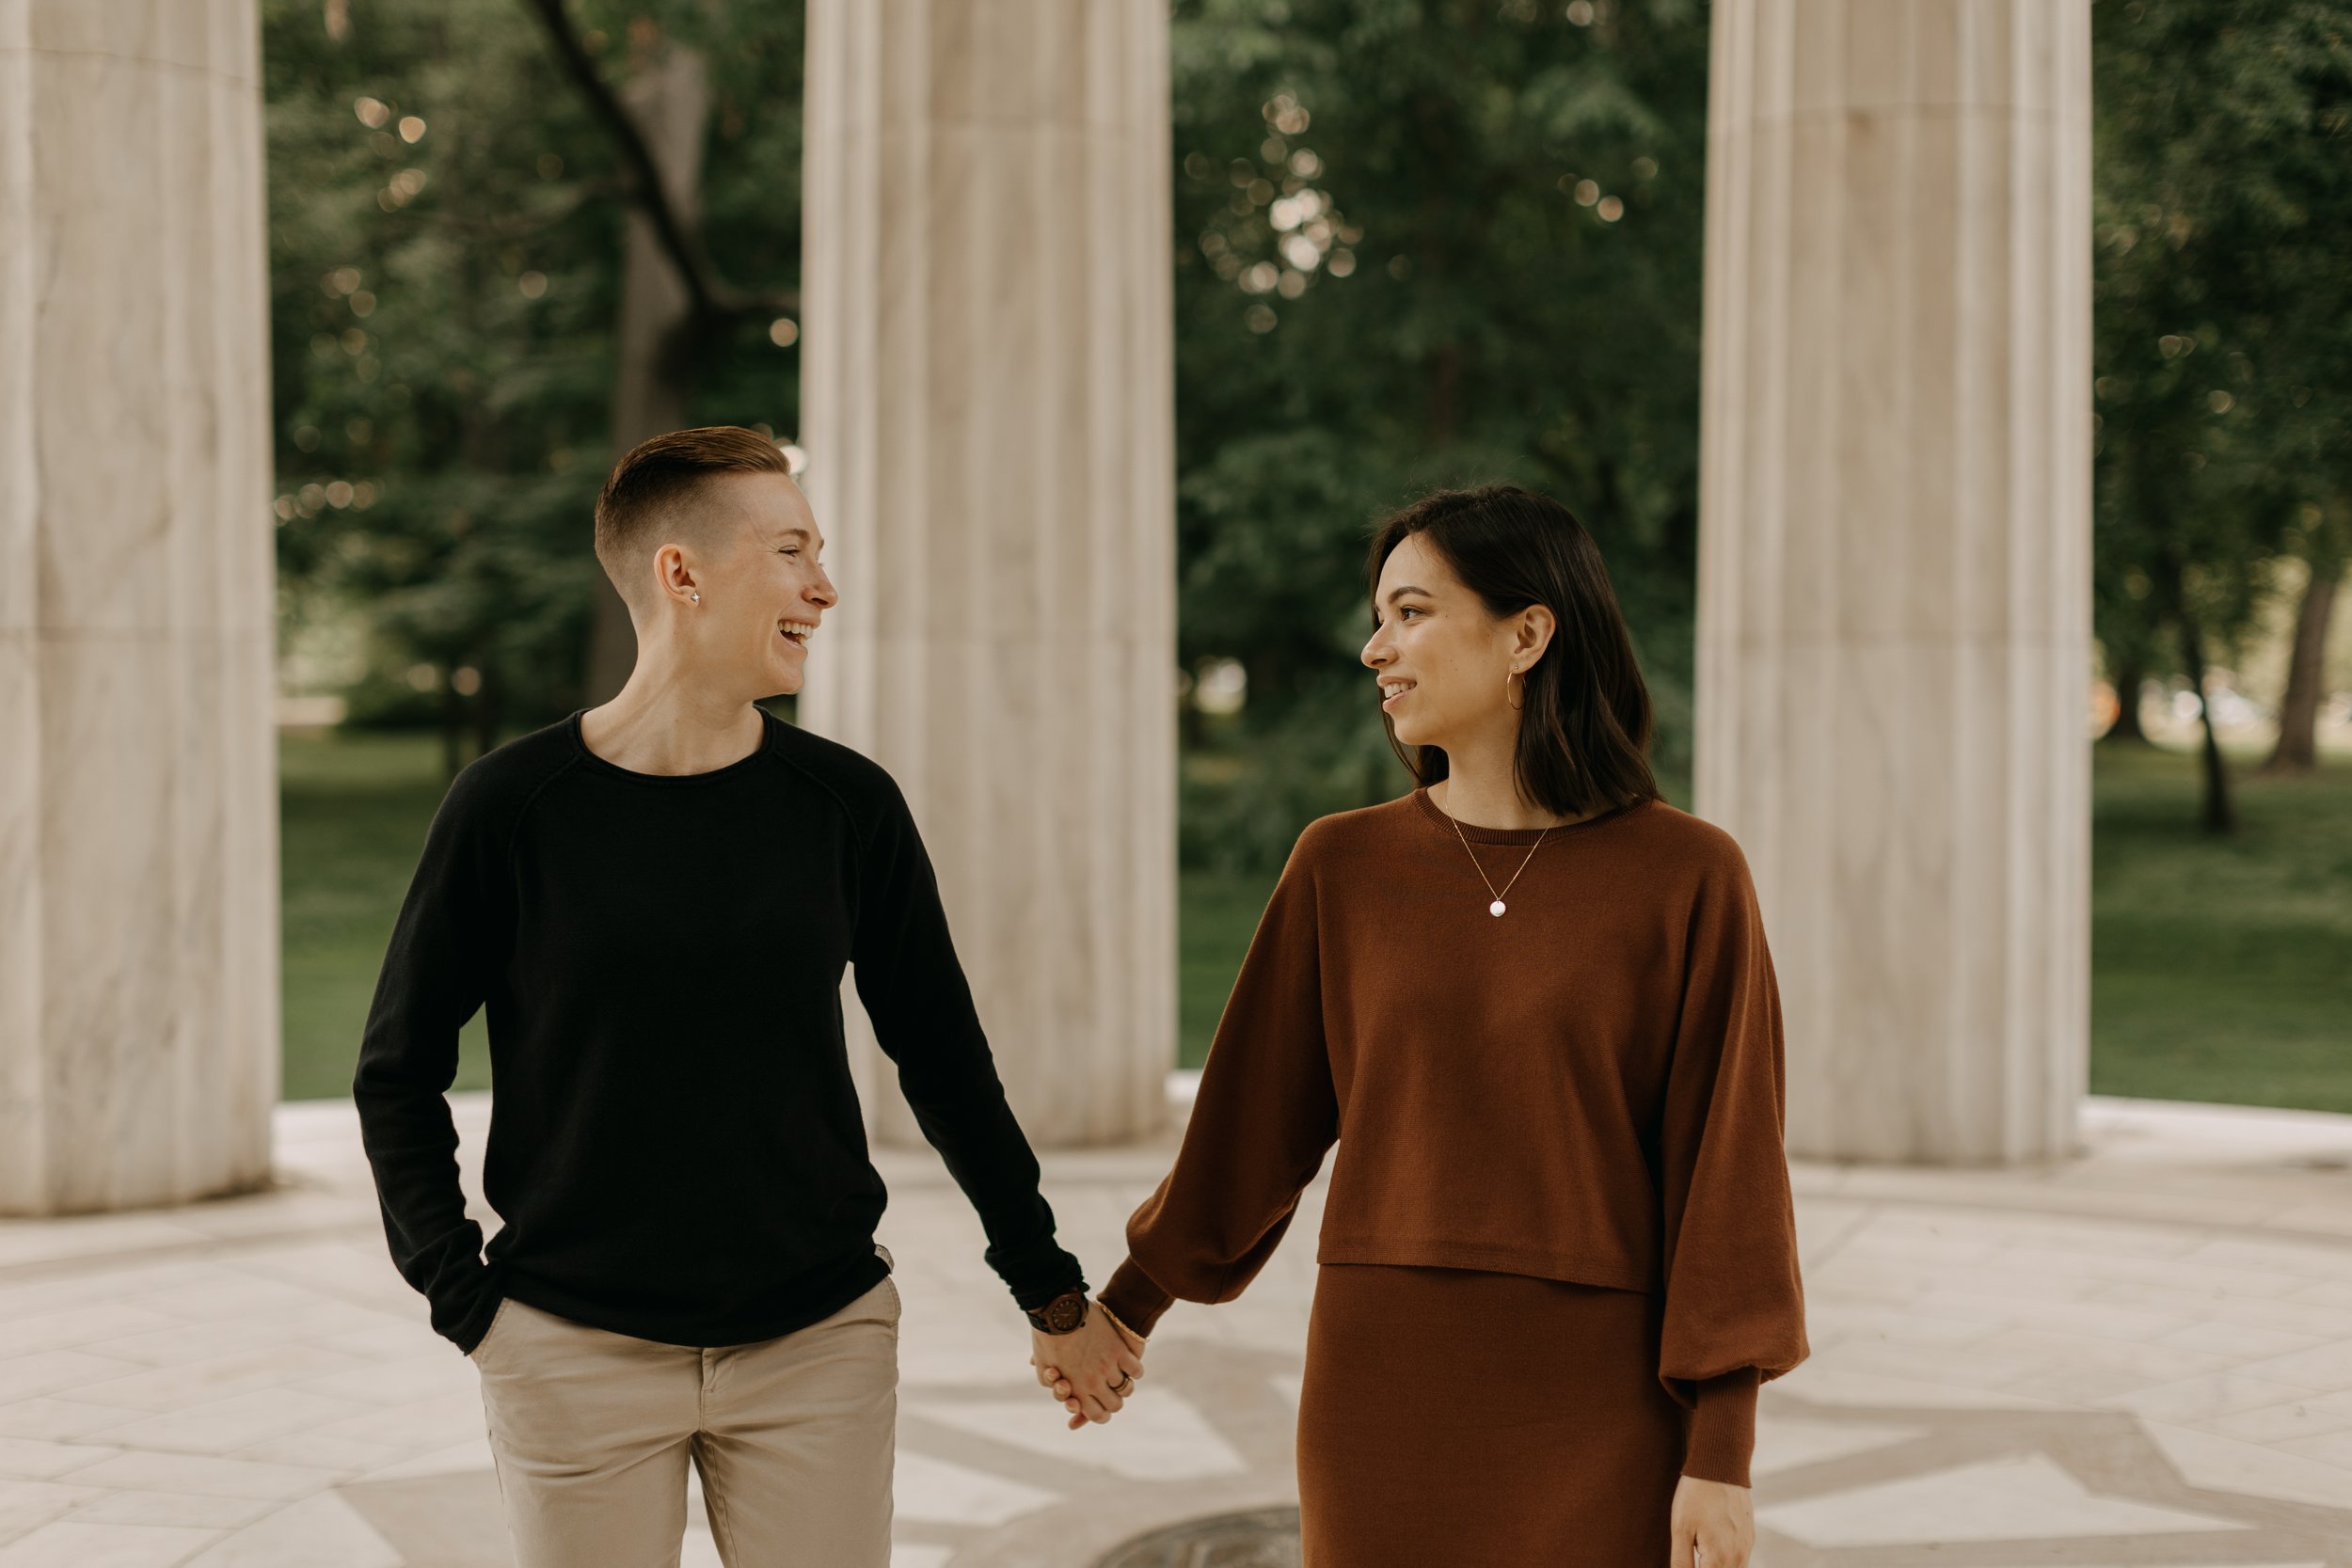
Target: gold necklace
[{"x": 1498, "y": 905}]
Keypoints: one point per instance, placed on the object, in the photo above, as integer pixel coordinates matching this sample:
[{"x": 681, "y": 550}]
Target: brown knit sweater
[{"x": 1586, "y": 1088}]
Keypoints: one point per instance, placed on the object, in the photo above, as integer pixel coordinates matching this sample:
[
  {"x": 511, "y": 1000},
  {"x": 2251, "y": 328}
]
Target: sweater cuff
[
  {"x": 1134, "y": 1298},
  {"x": 1723, "y": 1428},
  {"x": 469, "y": 1330},
  {"x": 1038, "y": 1273}
]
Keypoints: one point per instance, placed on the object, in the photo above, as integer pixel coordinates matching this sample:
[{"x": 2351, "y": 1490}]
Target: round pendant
[{"x": 1495, "y": 908}]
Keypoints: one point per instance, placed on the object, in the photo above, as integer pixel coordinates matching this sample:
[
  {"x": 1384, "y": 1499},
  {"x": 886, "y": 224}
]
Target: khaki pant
[{"x": 591, "y": 1433}]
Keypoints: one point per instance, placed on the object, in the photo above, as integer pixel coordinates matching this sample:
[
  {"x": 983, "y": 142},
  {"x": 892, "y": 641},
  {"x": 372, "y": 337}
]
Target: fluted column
[
  {"x": 138, "y": 807},
  {"x": 1894, "y": 566},
  {"x": 987, "y": 401}
]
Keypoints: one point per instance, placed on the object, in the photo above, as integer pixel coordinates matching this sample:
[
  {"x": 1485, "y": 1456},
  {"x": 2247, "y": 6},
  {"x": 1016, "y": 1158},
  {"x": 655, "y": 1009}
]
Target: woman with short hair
[{"x": 1532, "y": 1004}]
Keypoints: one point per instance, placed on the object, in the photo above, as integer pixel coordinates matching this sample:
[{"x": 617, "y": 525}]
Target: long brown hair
[{"x": 1584, "y": 730}]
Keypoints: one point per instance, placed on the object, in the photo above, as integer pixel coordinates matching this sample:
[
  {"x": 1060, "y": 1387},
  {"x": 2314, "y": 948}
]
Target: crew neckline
[
  {"x": 769, "y": 724},
  {"x": 1477, "y": 835}
]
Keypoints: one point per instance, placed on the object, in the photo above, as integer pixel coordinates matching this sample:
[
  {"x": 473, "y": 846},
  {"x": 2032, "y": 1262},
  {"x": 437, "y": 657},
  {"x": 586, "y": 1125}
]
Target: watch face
[{"x": 1064, "y": 1313}]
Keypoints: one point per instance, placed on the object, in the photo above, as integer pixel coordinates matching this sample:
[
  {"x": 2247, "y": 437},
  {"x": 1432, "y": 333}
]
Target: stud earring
[{"x": 698, "y": 598}]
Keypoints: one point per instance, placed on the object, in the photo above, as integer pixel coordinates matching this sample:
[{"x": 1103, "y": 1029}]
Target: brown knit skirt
[{"x": 1455, "y": 1418}]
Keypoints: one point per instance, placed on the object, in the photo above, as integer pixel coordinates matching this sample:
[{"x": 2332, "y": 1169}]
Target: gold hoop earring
[{"x": 1507, "y": 678}]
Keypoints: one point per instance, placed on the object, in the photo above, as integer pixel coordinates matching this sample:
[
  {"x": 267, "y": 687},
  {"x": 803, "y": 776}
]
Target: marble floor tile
[
  {"x": 2332, "y": 1447},
  {"x": 39, "y": 1459},
  {"x": 2238, "y": 1252},
  {"x": 442, "y": 1372},
  {"x": 26, "y": 1505},
  {"x": 90, "y": 1235},
  {"x": 206, "y": 1473},
  {"x": 311, "y": 1533},
  {"x": 175, "y": 1341},
  {"x": 1160, "y": 1439},
  {"x": 415, "y": 1426},
  {"x": 2333, "y": 1294},
  {"x": 2240, "y": 1342},
  {"x": 2016, "y": 1499},
  {"x": 24, "y": 1377},
  {"x": 177, "y": 1510},
  {"x": 55, "y": 1419},
  {"x": 1791, "y": 1442},
  {"x": 346, "y": 1457},
  {"x": 2310, "y": 1416},
  {"x": 2193, "y": 1401},
  {"x": 2252, "y": 1469},
  {"x": 472, "y": 1454},
  {"x": 226, "y": 1425},
  {"x": 81, "y": 1328},
  {"x": 233, "y": 1295},
  {"x": 942, "y": 1492},
  {"x": 70, "y": 1544},
  {"x": 2325, "y": 1367},
  {"x": 1867, "y": 1378},
  {"x": 193, "y": 1383},
  {"x": 107, "y": 1282}
]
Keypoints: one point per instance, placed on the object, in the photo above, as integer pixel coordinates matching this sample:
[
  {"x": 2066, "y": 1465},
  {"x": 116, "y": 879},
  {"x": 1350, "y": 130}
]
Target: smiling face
[
  {"x": 1438, "y": 655},
  {"x": 768, "y": 593}
]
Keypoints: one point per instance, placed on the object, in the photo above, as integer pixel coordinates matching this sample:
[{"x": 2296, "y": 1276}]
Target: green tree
[
  {"x": 2224, "y": 331},
  {"x": 447, "y": 213},
  {"x": 1421, "y": 241}
]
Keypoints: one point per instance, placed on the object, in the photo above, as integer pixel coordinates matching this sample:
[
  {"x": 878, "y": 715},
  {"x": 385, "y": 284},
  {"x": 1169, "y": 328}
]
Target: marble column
[
  {"x": 138, "y": 807},
  {"x": 1894, "y": 566},
  {"x": 987, "y": 395}
]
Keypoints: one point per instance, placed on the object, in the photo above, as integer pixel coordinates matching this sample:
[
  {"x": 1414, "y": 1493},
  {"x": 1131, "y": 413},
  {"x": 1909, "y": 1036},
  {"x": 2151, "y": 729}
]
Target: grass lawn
[
  {"x": 352, "y": 811},
  {"x": 2219, "y": 971}
]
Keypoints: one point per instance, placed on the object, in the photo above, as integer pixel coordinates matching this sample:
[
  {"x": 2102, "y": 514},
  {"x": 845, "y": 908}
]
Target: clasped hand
[{"x": 1092, "y": 1370}]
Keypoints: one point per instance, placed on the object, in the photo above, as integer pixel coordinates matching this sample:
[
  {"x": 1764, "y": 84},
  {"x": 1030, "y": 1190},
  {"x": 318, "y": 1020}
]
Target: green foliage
[
  {"x": 1419, "y": 243},
  {"x": 2224, "y": 305},
  {"x": 353, "y": 807},
  {"x": 445, "y": 245}
]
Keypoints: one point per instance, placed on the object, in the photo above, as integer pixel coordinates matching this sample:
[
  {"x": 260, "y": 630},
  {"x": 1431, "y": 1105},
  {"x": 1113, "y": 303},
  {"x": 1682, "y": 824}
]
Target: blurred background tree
[
  {"x": 2224, "y": 350},
  {"x": 1445, "y": 243},
  {"x": 449, "y": 295}
]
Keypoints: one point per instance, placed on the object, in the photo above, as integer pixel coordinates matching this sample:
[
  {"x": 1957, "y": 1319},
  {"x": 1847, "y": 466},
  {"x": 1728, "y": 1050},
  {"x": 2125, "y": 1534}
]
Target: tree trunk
[
  {"x": 2219, "y": 816},
  {"x": 2127, "y": 730},
  {"x": 655, "y": 374},
  {"x": 2298, "y": 751},
  {"x": 2130, "y": 677}
]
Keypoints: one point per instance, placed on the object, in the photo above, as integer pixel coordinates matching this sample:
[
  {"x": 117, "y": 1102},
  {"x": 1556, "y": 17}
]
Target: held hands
[
  {"x": 1714, "y": 1519},
  {"x": 1093, "y": 1370}
]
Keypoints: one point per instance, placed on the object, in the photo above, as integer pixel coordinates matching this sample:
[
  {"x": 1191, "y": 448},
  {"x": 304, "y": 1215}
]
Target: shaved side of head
[{"x": 667, "y": 490}]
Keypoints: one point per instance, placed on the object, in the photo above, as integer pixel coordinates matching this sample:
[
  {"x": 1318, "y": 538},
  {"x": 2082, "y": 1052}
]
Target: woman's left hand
[{"x": 1714, "y": 1524}]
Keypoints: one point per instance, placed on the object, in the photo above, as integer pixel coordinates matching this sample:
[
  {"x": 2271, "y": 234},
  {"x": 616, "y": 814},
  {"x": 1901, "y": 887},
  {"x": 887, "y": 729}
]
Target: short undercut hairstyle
[{"x": 647, "y": 499}]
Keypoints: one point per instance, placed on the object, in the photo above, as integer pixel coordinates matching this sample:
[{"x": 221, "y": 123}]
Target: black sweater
[{"x": 676, "y": 1145}]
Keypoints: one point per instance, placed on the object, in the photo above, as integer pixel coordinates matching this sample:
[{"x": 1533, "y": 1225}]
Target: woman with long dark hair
[{"x": 1532, "y": 1004}]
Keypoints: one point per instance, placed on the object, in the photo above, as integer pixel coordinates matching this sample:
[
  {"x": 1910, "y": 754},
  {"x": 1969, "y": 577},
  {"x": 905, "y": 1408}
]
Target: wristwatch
[{"x": 1061, "y": 1315}]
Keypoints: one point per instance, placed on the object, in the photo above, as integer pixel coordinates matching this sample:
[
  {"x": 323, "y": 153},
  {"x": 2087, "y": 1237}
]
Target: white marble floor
[{"x": 2141, "y": 1356}]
